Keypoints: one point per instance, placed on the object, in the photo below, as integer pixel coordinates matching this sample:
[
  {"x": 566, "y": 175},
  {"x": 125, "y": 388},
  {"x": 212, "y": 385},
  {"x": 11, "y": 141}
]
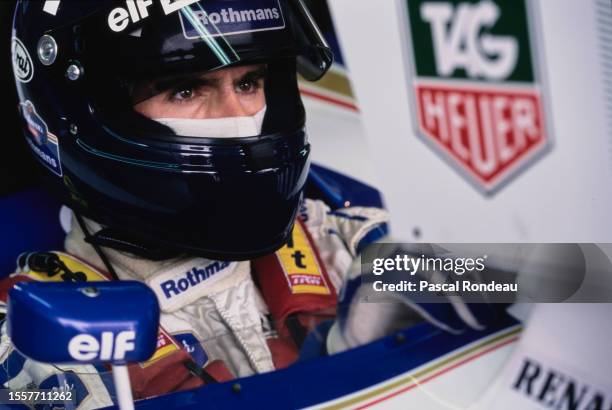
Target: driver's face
[{"x": 229, "y": 92}]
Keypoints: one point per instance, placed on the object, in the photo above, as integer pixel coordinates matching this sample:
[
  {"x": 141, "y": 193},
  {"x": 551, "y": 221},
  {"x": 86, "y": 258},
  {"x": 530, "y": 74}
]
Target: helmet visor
[{"x": 146, "y": 38}]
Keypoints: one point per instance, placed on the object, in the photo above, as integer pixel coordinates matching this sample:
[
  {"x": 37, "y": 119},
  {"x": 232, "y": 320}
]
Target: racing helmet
[{"x": 155, "y": 192}]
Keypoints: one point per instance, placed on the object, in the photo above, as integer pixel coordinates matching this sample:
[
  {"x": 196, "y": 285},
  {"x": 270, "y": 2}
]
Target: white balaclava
[{"x": 230, "y": 127}]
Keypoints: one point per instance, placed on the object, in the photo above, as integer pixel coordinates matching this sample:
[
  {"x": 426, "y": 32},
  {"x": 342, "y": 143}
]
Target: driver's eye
[
  {"x": 183, "y": 94},
  {"x": 246, "y": 86}
]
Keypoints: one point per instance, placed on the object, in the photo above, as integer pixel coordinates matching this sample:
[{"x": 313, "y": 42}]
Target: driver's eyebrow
[
  {"x": 192, "y": 81},
  {"x": 196, "y": 81},
  {"x": 254, "y": 74}
]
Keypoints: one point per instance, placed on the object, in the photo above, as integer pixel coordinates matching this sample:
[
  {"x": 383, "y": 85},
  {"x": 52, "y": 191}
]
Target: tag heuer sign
[{"x": 479, "y": 95}]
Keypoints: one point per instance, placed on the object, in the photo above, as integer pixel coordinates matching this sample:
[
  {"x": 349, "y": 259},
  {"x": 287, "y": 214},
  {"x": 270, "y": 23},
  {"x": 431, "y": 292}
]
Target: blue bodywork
[{"x": 326, "y": 378}]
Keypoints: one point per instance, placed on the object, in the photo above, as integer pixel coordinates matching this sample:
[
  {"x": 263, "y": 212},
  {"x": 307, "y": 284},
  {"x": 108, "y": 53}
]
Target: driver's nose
[{"x": 229, "y": 104}]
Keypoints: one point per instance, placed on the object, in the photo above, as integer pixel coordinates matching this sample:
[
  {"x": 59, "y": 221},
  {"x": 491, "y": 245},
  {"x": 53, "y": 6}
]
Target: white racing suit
[{"x": 213, "y": 312}]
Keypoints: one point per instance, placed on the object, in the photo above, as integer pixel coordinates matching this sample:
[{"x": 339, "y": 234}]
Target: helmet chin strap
[
  {"x": 109, "y": 266},
  {"x": 120, "y": 241}
]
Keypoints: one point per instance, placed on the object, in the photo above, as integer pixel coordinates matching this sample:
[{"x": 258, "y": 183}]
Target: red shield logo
[{"x": 477, "y": 87}]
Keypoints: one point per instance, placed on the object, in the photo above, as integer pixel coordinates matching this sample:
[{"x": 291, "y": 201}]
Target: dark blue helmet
[{"x": 76, "y": 63}]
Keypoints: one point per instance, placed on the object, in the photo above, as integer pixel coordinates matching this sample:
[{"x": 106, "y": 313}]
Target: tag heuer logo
[{"x": 479, "y": 95}]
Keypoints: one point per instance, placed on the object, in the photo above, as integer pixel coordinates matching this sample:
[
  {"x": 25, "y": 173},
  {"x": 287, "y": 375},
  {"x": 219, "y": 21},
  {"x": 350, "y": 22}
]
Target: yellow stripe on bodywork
[
  {"x": 334, "y": 81},
  {"x": 413, "y": 378}
]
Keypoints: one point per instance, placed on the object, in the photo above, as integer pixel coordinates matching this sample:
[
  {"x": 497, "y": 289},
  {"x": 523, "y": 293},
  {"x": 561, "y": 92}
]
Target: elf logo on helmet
[
  {"x": 478, "y": 92},
  {"x": 121, "y": 17},
  {"x": 51, "y": 6},
  {"x": 86, "y": 348},
  {"x": 22, "y": 62},
  {"x": 134, "y": 10}
]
